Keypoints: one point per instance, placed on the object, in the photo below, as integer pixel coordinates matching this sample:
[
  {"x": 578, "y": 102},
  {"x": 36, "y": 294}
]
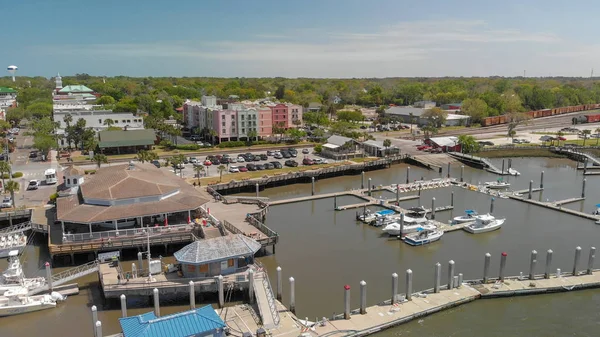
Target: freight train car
[
  {"x": 489, "y": 121},
  {"x": 586, "y": 119}
]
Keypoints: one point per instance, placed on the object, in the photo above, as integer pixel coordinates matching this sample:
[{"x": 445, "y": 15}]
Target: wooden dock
[
  {"x": 537, "y": 189},
  {"x": 556, "y": 208},
  {"x": 451, "y": 228},
  {"x": 566, "y": 201}
]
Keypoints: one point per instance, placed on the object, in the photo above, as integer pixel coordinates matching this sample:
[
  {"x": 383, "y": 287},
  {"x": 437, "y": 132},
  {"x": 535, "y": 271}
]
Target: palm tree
[
  {"x": 387, "y": 143},
  {"x": 411, "y": 117},
  {"x": 176, "y": 161},
  {"x": 198, "y": 169},
  {"x": 597, "y": 135},
  {"x": 586, "y": 134},
  {"x": 100, "y": 159},
  {"x": 145, "y": 155},
  {"x": 221, "y": 169},
  {"x": 4, "y": 169},
  {"x": 558, "y": 135},
  {"x": 12, "y": 187},
  {"x": 109, "y": 122},
  {"x": 213, "y": 134}
]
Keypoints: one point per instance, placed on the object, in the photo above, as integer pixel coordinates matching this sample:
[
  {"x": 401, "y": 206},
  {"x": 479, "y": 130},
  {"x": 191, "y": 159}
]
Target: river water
[{"x": 325, "y": 249}]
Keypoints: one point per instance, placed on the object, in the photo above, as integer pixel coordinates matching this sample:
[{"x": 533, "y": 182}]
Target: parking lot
[{"x": 212, "y": 171}]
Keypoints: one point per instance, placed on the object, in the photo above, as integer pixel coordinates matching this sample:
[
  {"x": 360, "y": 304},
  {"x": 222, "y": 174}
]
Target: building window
[
  {"x": 69, "y": 181},
  {"x": 261, "y": 129},
  {"x": 128, "y": 121},
  {"x": 230, "y": 263},
  {"x": 261, "y": 122},
  {"x": 191, "y": 268},
  {"x": 232, "y": 123},
  {"x": 100, "y": 121},
  {"x": 74, "y": 181},
  {"x": 243, "y": 130},
  {"x": 243, "y": 124},
  {"x": 204, "y": 268},
  {"x": 223, "y": 117},
  {"x": 242, "y": 117},
  {"x": 223, "y": 123}
]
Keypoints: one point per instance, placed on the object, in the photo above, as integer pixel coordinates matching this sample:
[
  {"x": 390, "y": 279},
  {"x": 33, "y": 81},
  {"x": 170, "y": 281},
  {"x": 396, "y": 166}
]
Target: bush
[
  {"x": 17, "y": 174},
  {"x": 318, "y": 148},
  {"x": 6, "y": 176},
  {"x": 53, "y": 197},
  {"x": 187, "y": 147},
  {"x": 237, "y": 143},
  {"x": 89, "y": 171},
  {"x": 165, "y": 143}
]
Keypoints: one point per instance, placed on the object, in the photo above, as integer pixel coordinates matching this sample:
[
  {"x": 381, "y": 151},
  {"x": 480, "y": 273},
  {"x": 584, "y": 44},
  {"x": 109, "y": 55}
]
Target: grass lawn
[{"x": 362, "y": 160}]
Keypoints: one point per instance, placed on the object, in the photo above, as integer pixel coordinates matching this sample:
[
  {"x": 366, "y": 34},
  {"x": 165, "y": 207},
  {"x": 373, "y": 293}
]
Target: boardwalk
[
  {"x": 483, "y": 162},
  {"x": 551, "y": 205},
  {"x": 235, "y": 214},
  {"x": 265, "y": 300}
]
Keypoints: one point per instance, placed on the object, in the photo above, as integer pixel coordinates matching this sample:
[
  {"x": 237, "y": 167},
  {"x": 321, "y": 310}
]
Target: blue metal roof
[{"x": 182, "y": 324}]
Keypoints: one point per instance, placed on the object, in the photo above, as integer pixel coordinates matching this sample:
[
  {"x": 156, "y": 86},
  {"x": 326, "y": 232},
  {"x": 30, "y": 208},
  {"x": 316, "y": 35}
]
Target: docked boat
[
  {"x": 8, "y": 243},
  {"x": 423, "y": 236},
  {"x": 369, "y": 216},
  {"x": 17, "y": 301},
  {"x": 597, "y": 211},
  {"x": 467, "y": 217},
  {"x": 484, "y": 223},
  {"x": 497, "y": 185},
  {"x": 395, "y": 229},
  {"x": 14, "y": 278},
  {"x": 513, "y": 172}
]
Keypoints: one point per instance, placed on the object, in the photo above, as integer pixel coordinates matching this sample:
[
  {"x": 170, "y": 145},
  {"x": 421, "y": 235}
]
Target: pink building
[
  {"x": 294, "y": 114},
  {"x": 265, "y": 122},
  {"x": 284, "y": 115},
  {"x": 223, "y": 122}
]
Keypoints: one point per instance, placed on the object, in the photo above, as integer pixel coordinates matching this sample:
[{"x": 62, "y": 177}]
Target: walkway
[
  {"x": 67, "y": 276},
  {"x": 485, "y": 163},
  {"x": 265, "y": 300},
  {"x": 235, "y": 214}
]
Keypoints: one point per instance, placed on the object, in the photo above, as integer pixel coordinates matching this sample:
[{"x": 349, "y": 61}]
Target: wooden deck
[{"x": 235, "y": 214}]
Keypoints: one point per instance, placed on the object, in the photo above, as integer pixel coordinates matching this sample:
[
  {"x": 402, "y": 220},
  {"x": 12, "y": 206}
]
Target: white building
[{"x": 8, "y": 98}]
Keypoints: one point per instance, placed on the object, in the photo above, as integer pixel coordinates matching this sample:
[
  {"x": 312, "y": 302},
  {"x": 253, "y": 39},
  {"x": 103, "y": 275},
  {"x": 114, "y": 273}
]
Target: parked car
[
  {"x": 276, "y": 164},
  {"x": 215, "y": 161},
  {"x": 423, "y": 147},
  {"x": 561, "y": 138},
  {"x": 243, "y": 169},
  {"x": 33, "y": 154},
  {"x": 291, "y": 163},
  {"x": 268, "y": 166},
  {"x": 486, "y": 143},
  {"x": 207, "y": 162},
  {"x": 319, "y": 161},
  {"x": 193, "y": 160},
  {"x": 260, "y": 167},
  {"x": 305, "y": 151},
  {"x": 270, "y": 153},
  {"x": 263, "y": 157},
  {"x": 277, "y": 155},
  {"x": 516, "y": 141},
  {"x": 286, "y": 154},
  {"x": 234, "y": 169},
  {"x": 6, "y": 202},
  {"x": 156, "y": 163},
  {"x": 240, "y": 159},
  {"x": 525, "y": 141},
  {"x": 251, "y": 167},
  {"x": 307, "y": 161},
  {"x": 33, "y": 184}
]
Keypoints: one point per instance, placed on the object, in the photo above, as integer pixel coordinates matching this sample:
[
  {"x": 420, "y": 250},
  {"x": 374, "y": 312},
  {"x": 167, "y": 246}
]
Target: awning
[{"x": 331, "y": 146}]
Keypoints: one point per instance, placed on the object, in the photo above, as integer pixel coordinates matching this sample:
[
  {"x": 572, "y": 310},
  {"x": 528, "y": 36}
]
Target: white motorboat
[
  {"x": 14, "y": 278},
  {"x": 8, "y": 243},
  {"x": 513, "y": 172},
  {"x": 395, "y": 229},
  {"x": 369, "y": 217},
  {"x": 469, "y": 216},
  {"x": 423, "y": 237},
  {"x": 597, "y": 211},
  {"x": 497, "y": 185},
  {"x": 484, "y": 223},
  {"x": 17, "y": 301}
]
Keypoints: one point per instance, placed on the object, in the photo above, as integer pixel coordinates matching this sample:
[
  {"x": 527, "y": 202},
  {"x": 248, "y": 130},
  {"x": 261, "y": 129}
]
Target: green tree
[
  {"x": 100, "y": 159},
  {"x": 278, "y": 129},
  {"x": 177, "y": 162},
  {"x": 198, "y": 169},
  {"x": 512, "y": 134},
  {"x": 586, "y": 134},
  {"x": 109, "y": 122},
  {"x": 146, "y": 156},
  {"x": 475, "y": 108},
  {"x": 468, "y": 144},
  {"x": 280, "y": 92},
  {"x": 44, "y": 143},
  {"x": 387, "y": 143},
  {"x": 221, "y": 168},
  {"x": 435, "y": 117},
  {"x": 15, "y": 115},
  {"x": 318, "y": 118},
  {"x": 12, "y": 187},
  {"x": 295, "y": 134},
  {"x": 40, "y": 109},
  {"x": 4, "y": 169},
  {"x": 515, "y": 119},
  {"x": 350, "y": 116},
  {"x": 597, "y": 135},
  {"x": 252, "y": 135},
  {"x": 429, "y": 130},
  {"x": 105, "y": 100}
]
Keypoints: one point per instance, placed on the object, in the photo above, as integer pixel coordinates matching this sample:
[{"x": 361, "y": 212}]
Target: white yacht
[
  {"x": 497, "y": 185},
  {"x": 423, "y": 237},
  {"x": 17, "y": 301},
  {"x": 484, "y": 223},
  {"x": 597, "y": 211},
  {"x": 469, "y": 215},
  {"x": 394, "y": 229},
  {"x": 10, "y": 242},
  {"x": 14, "y": 278},
  {"x": 513, "y": 172}
]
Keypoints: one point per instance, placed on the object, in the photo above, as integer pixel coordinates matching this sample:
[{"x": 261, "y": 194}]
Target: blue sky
[{"x": 323, "y": 38}]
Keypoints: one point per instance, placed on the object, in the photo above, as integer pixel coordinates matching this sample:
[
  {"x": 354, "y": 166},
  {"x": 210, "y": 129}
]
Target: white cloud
[{"x": 392, "y": 50}]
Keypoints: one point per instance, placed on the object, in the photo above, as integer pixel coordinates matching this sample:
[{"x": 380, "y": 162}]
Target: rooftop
[
  {"x": 73, "y": 171},
  {"x": 377, "y": 143},
  {"x": 7, "y": 90},
  {"x": 405, "y": 111},
  {"x": 195, "y": 322},
  {"x": 338, "y": 140},
  {"x": 117, "y": 192},
  {"x": 217, "y": 249},
  {"x": 445, "y": 141},
  {"x": 75, "y": 89},
  {"x": 126, "y": 138}
]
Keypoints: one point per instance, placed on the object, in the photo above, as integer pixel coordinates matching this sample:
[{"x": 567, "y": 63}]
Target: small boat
[
  {"x": 423, "y": 236},
  {"x": 597, "y": 211},
  {"x": 513, "y": 172},
  {"x": 369, "y": 216},
  {"x": 17, "y": 301},
  {"x": 8, "y": 243},
  {"x": 395, "y": 229},
  {"x": 13, "y": 277},
  {"x": 497, "y": 185},
  {"x": 484, "y": 223},
  {"x": 469, "y": 216}
]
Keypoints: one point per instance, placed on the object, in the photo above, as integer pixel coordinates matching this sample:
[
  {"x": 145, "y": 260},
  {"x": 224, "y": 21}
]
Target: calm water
[{"x": 324, "y": 250}]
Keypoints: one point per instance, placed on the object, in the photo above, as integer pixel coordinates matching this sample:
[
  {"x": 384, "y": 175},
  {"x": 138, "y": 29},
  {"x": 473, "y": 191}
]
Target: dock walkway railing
[
  {"x": 126, "y": 233},
  {"x": 272, "y": 236}
]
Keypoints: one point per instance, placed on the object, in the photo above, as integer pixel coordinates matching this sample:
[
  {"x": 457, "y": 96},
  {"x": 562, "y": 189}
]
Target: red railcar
[{"x": 592, "y": 118}]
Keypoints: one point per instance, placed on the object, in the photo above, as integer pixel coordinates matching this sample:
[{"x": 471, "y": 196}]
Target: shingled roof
[{"x": 217, "y": 249}]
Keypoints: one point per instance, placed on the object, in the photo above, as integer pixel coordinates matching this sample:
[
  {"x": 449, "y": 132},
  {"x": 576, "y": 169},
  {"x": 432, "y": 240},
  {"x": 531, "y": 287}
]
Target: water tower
[{"x": 12, "y": 70}]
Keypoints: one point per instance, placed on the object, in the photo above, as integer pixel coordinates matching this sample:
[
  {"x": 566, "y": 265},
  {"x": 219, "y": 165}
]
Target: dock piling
[
  {"x": 585, "y": 164},
  {"x": 408, "y": 174},
  {"x": 530, "y": 188},
  {"x": 347, "y": 301},
  {"x": 591, "y": 258},
  {"x": 394, "y": 287},
  {"x": 509, "y": 163},
  {"x": 94, "y": 319},
  {"x": 257, "y": 190},
  {"x": 48, "y": 275},
  {"x": 369, "y": 186},
  {"x": 279, "y": 283},
  {"x": 251, "y": 286},
  {"x": 542, "y": 179},
  {"x": 156, "y": 302},
  {"x": 220, "y": 291},
  {"x": 140, "y": 257},
  {"x": 401, "y": 224},
  {"x": 192, "y": 295},
  {"x": 502, "y": 166},
  {"x": 398, "y": 195},
  {"x": 335, "y": 202},
  {"x": 363, "y": 297},
  {"x": 492, "y": 205},
  {"x": 133, "y": 270},
  {"x": 460, "y": 280},
  {"x": 362, "y": 180},
  {"x": 409, "y": 284},
  {"x": 438, "y": 274},
  {"x": 548, "y": 263},
  {"x": 502, "y": 266},
  {"x": 462, "y": 172},
  {"x": 583, "y": 188},
  {"x": 123, "y": 306},
  {"x": 450, "y": 274},
  {"x": 577, "y": 257},
  {"x": 486, "y": 267},
  {"x": 558, "y": 272},
  {"x": 312, "y": 180},
  {"x": 432, "y": 208},
  {"x": 452, "y": 198},
  {"x": 98, "y": 329},
  {"x": 292, "y": 295},
  {"x": 455, "y": 282},
  {"x": 532, "y": 263},
  {"x": 448, "y": 169}
]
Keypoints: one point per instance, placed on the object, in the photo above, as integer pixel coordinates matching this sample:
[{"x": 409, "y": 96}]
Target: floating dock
[{"x": 553, "y": 206}]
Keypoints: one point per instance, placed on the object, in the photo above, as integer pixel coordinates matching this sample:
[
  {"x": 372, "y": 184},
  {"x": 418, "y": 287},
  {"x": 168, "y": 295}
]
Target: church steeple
[{"x": 58, "y": 81}]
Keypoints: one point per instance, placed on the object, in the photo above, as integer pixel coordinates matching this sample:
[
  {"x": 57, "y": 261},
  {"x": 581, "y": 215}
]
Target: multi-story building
[
  {"x": 294, "y": 115},
  {"x": 247, "y": 119},
  {"x": 285, "y": 115},
  {"x": 8, "y": 99},
  {"x": 191, "y": 113},
  {"x": 265, "y": 121},
  {"x": 224, "y": 122}
]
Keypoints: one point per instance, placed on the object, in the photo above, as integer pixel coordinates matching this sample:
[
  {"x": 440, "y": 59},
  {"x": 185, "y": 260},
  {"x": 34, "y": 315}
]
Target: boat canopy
[
  {"x": 386, "y": 212},
  {"x": 416, "y": 210},
  {"x": 598, "y": 205},
  {"x": 470, "y": 211}
]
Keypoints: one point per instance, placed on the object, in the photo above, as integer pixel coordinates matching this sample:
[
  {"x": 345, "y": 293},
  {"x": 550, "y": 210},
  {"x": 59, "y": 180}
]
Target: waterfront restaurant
[
  {"x": 218, "y": 256},
  {"x": 128, "y": 196}
]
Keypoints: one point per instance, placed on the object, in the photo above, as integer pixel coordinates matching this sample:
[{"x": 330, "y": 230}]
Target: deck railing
[
  {"x": 126, "y": 233},
  {"x": 272, "y": 236},
  {"x": 270, "y": 298}
]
